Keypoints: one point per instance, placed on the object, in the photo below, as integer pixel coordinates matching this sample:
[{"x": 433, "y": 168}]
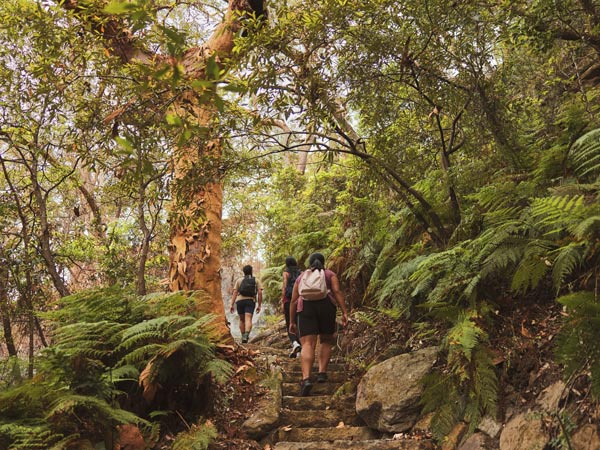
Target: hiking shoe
[
  {"x": 305, "y": 387},
  {"x": 321, "y": 377},
  {"x": 295, "y": 349}
]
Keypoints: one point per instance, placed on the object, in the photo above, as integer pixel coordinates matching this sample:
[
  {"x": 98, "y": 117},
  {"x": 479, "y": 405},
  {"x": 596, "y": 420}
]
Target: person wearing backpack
[
  {"x": 314, "y": 298},
  {"x": 245, "y": 293},
  {"x": 290, "y": 274}
]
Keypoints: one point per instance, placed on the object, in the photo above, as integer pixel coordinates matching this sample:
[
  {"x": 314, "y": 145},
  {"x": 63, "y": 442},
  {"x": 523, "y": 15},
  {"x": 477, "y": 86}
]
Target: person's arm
[
  {"x": 339, "y": 298},
  {"x": 259, "y": 296},
  {"x": 234, "y": 296},
  {"x": 286, "y": 277},
  {"x": 293, "y": 307}
]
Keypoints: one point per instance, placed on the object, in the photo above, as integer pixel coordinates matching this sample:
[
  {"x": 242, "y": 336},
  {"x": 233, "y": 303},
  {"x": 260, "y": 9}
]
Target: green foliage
[
  {"x": 468, "y": 389},
  {"x": 198, "y": 437},
  {"x": 97, "y": 354},
  {"x": 585, "y": 154},
  {"x": 581, "y": 331}
]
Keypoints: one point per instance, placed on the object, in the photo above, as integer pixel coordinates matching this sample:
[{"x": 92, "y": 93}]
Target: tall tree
[{"x": 197, "y": 197}]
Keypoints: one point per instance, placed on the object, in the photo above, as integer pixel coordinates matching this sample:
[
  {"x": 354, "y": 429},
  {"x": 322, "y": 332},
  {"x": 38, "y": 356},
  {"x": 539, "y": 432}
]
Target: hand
[
  {"x": 293, "y": 328},
  {"x": 231, "y": 309},
  {"x": 345, "y": 319},
  {"x": 257, "y": 309}
]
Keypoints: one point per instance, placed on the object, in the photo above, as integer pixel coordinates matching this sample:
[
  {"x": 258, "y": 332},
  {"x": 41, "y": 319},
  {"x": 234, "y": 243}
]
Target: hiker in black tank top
[{"x": 290, "y": 274}]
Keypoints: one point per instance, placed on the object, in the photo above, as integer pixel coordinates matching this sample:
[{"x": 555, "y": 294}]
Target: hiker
[
  {"x": 245, "y": 293},
  {"x": 315, "y": 296},
  {"x": 290, "y": 274}
]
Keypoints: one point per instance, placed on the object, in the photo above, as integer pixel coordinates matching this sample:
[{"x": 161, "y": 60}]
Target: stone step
[
  {"x": 320, "y": 402},
  {"x": 319, "y": 418},
  {"x": 326, "y": 434},
  {"x": 408, "y": 444},
  {"x": 317, "y": 388},
  {"x": 296, "y": 375}
]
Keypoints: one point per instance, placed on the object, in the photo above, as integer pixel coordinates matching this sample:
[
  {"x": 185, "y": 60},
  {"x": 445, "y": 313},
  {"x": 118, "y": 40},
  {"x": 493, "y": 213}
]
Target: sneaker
[
  {"x": 305, "y": 387},
  {"x": 321, "y": 377},
  {"x": 295, "y": 349}
]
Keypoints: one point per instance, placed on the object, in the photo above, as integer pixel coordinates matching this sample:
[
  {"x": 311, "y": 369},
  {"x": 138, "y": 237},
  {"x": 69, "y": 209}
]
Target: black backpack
[
  {"x": 289, "y": 288},
  {"x": 248, "y": 287}
]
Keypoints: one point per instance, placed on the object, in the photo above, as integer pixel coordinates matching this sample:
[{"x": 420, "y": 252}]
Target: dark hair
[
  {"x": 316, "y": 261},
  {"x": 290, "y": 262},
  {"x": 247, "y": 270}
]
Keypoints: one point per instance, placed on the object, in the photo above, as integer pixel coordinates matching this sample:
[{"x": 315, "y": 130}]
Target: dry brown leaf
[
  {"x": 242, "y": 367},
  {"x": 525, "y": 332},
  {"x": 341, "y": 425},
  {"x": 287, "y": 428}
]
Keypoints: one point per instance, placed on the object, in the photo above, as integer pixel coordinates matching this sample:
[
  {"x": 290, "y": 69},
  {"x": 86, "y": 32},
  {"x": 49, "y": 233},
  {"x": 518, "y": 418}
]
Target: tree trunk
[{"x": 5, "y": 310}]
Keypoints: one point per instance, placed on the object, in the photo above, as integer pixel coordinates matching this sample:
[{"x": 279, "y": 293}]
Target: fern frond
[
  {"x": 198, "y": 437},
  {"x": 220, "y": 369},
  {"x": 578, "y": 342},
  {"x": 587, "y": 228},
  {"x": 568, "y": 259},
  {"x": 93, "y": 408},
  {"x": 555, "y": 214},
  {"x": 585, "y": 153},
  {"x": 34, "y": 435}
]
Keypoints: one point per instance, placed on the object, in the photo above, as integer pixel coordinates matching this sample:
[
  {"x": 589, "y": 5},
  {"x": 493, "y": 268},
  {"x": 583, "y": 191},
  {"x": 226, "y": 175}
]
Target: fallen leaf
[
  {"x": 287, "y": 428},
  {"x": 341, "y": 425}
]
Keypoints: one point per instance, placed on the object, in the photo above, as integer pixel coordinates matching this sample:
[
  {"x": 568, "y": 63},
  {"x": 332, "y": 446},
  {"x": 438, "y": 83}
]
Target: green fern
[
  {"x": 578, "y": 343},
  {"x": 66, "y": 408},
  {"x": 556, "y": 214},
  {"x": 198, "y": 437},
  {"x": 585, "y": 154},
  {"x": 568, "y": 259}
]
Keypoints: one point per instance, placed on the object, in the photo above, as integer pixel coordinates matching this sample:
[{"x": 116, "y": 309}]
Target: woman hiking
[
  {"x": 290, "y": 274},
  {"x": 314, "y": 301}
]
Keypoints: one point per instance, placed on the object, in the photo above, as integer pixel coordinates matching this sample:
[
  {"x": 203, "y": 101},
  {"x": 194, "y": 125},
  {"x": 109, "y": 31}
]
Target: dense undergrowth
[{"x": 117, "y": 359}]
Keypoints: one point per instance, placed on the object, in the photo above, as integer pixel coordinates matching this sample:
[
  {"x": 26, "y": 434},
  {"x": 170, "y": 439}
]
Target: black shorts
[
  {"x": 245, "y": 306},
  {"x": 317, "y": 317}
]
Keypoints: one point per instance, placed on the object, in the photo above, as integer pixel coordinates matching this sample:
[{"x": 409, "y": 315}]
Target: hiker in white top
[{"x": 314, "y": 299}]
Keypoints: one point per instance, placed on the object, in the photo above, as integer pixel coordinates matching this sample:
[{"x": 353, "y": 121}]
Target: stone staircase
[{"x": 325, "y": 421}]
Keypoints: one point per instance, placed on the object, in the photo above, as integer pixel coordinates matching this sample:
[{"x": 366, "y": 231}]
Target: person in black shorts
[
  {"x": 245, "y": 293},
  {"x": 316, "y": 318}
]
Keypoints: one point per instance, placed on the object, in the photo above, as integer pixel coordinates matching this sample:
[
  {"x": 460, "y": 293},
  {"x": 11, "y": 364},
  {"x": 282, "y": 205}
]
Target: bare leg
[
  {"x": 326, "y": 344},
  {"x": 242, "y": 324},
  {"x": 248, "y": 320},
  {"x": 307, "y": 355}
]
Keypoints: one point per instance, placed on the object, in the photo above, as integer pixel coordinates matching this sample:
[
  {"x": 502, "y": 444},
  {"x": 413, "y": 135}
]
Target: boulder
[
  {"x": 550, "y": 397},
  {"x": 524, "y": 431},
  {"x": 586, "y": 438},
  {"x": 388, "y": 395},
  {"x": 478, "y": 441},
  {"x": 490, "y": 426}
]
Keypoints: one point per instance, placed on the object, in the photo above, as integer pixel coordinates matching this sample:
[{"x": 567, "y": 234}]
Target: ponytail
[{"x": 316, "y": 261}]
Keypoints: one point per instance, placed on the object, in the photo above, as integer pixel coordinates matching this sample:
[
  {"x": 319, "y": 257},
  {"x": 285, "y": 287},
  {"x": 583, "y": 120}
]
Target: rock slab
[{"x": 388, "y": 395}]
